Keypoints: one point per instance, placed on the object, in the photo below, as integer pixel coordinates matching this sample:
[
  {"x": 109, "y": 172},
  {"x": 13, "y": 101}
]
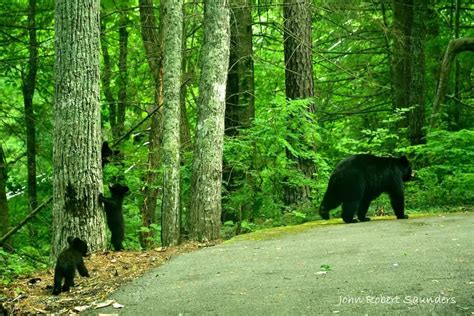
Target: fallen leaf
[{"x": 104, "y": 304}]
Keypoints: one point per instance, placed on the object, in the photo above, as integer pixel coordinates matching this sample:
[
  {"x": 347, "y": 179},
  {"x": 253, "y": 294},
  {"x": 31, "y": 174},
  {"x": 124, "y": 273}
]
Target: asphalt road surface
[{"x": 420, "y": 266}]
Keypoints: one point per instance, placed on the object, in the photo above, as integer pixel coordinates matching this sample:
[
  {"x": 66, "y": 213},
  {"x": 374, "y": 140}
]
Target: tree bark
[
  {"x": 152, "y": 38},
  {"x": 416, "y": 116},
  {"x": 401, "y": 61},
  {"x": 3, "y": 193},
  {"x": 170, "y": 207},
  {"x": 185, "y": 133},
  {"x": 240, "y": 109},
  {"x": 206, "y": 179},
  {"x": 455, "y": 47},
  {"x": 77, "y": 136},
  {"x": 298, "y": 79},
  {"x": 29, "y": 83}
]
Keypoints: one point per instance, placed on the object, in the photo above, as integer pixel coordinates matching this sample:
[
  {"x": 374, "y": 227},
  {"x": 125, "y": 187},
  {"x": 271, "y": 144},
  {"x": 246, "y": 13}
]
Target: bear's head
[
  {"x": 78, "y": 244},
  {"x": 117, "y": 189},
  {"x": 407, "y": 172}
]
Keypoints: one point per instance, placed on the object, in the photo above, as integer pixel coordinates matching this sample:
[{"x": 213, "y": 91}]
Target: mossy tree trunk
[
  {"x": 77, "y": 137},
  {"x": 206, "y": 179},
  {"x": 170, "y": 207}
]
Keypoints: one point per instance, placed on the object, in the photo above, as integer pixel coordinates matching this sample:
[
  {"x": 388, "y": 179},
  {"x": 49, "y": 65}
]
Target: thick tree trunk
[
  {"x": 3, "y": 193},
  {"x": 29, "y": 83},
  {"x": 416, "y": 116},
  {"x": 455, "y": 47},
  {"x": 170, "y": 207},
  {"x": 206, "y": 180},
  {"x": 152, "y": 39},
  {"x": 298, "y": 78},
  {"x": 240, "y": 109},
  {"x": 401, "y": 61},
  {"x": 77, "y": 137}
]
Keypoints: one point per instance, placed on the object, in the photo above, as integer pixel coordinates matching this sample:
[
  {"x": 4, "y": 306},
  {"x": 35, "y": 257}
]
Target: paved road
[{"x": 418, "y": 266}]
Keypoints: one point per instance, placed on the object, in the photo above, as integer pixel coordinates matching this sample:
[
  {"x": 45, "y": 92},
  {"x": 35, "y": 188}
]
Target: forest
[{"x": 202, "y": 120}]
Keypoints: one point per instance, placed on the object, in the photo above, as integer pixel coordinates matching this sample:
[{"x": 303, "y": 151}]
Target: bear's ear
[
  {"x": 404, "y": 159},
  {"x": 70, "y": 240}
]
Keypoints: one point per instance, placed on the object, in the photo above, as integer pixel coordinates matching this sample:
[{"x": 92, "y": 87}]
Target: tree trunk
[
  {"x": 457, "y": 73},
  {"x": 240, "y": 109},
  {"x": 3, "y": 193},
  {"x": 77, "y": 137},
  {"x": 416, "y": 116},
  {"x": 206, "y": 179},
  {"x": 298, "y": 78},
  {"x": 29, "y": 83},
  {"x": 455, "y": 47},
  {"x": 152, "y": 38},
  {"x": 185, "y": 138},
  {"x": 170, "y": 207},
  {"x": 401, "y": 61},
  {"x": 123, "y": 75}
]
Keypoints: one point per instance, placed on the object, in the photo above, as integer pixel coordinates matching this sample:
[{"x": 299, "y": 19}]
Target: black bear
[
  {"x": 359, "y": 179},
  {"x": 107, "y": 153},
  {"x": 114, "y": 213},
  {"x": 68, "y": 261}
]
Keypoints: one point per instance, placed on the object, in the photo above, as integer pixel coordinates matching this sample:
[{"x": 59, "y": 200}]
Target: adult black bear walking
[
  {"x": 359, "y": 179},
  {"x": 68, "y": 261},
  {"x": 114, "y": 213}
]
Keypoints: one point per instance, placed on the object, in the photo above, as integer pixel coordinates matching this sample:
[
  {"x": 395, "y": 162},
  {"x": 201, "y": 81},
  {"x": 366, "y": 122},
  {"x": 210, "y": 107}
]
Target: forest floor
[
  {"x": 416, "y": 266},
  {"x": 109, "y": 270}
]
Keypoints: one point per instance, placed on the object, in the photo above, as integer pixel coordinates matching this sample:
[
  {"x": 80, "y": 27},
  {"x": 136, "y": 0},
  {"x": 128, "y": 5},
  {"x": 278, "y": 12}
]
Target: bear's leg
[
  {"x": 82, "y": 269},
  {"x": 363, "y": 208},
  {"x": 348, "y": 210},
  {"x": 398, "y": 202},
  {"x": 116, "y": 240},
  {"x": 68, "y": 281},
  {"x": 58, "y": 279}
]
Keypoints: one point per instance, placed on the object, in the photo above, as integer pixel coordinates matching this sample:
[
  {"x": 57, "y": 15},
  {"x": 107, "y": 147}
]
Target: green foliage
[
  {"x": 444, "y": 170},
  {"x": 259, "y": 158},
  {"x": 24, "y": 262}
]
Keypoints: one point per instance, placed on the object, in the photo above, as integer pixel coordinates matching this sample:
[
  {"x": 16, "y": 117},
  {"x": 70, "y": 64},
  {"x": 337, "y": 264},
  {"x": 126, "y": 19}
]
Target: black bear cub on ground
[
  {"x": 359, "y": 179},
  {"x": 68, "y": 261},
  {"x": 114, "y": 213}
]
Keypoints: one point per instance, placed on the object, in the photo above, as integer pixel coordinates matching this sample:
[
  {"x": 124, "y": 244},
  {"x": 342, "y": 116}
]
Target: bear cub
[
  {"x": 359, "y": 179},
  {"x": 107, "y": 153},
  {"x": 68, "y": 261},
  {"x": 114, "y": 213}
]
